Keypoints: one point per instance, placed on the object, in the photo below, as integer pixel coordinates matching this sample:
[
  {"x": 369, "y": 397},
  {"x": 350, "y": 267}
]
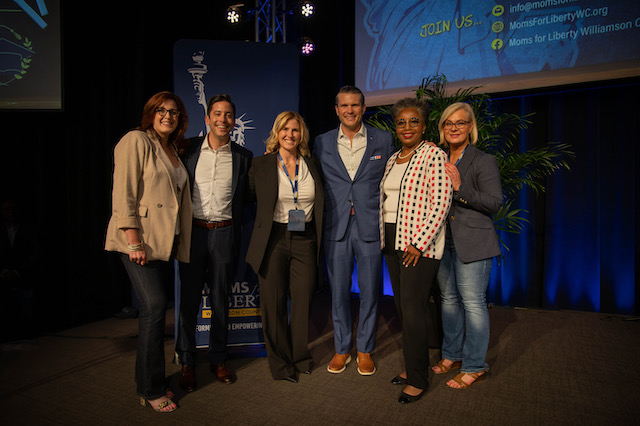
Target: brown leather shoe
[
  {"x": 365, "y": 364},
  {"x": 187, "y": 380},
  {"x": 223, "y": 374},
  {"x": 339, "y": 363}
]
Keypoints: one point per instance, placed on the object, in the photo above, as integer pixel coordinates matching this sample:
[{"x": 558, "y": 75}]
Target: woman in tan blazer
[{"x": 150, "y": 224}]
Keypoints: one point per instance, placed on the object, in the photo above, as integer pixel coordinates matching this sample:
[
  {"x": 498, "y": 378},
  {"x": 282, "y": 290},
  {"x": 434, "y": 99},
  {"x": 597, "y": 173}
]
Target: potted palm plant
[{"x": 497, "y": 134}]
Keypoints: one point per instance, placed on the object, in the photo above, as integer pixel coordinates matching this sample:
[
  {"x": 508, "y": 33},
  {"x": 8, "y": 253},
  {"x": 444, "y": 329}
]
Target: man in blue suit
[
  {"x": 353, "y": 159},
  {"x": 218, "y": 173}
]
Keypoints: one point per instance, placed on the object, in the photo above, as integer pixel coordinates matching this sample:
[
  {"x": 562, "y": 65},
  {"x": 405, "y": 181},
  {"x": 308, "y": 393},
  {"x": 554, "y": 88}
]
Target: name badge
[{"x": 296, "y": 220}]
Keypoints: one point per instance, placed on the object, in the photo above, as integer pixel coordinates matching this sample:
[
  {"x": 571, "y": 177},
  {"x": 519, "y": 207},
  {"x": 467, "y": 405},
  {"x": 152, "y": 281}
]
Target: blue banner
[{"x": 262, "y": 80}]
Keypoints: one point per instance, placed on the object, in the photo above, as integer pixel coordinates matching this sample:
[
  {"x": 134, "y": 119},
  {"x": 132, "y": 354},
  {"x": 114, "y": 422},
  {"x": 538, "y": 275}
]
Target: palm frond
[
  {"x": 529, "y": 169},
  {"x": 497, "y": 134}
]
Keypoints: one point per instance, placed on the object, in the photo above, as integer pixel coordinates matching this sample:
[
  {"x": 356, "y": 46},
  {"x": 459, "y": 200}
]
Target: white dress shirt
[
  {"x": 212, "y": 183},
  {"x": 306, "y": 194},
  {"x": 352, "y": 153}
]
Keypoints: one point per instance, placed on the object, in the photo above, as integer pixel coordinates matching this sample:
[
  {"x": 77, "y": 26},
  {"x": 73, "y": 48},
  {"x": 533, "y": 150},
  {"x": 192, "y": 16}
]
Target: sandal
[
  {"x": 166, "y": 406},
  {"x": 464, "y": 385},
  {"x": 444, "y": 369}
]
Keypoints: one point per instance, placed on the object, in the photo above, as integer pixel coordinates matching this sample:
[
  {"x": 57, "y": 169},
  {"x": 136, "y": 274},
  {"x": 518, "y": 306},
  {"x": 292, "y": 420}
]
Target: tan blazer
[{"x": 145, "y": 197}]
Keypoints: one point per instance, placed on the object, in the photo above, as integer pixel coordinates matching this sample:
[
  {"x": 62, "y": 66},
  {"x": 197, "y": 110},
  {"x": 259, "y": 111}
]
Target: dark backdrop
[{"x": 60, "y": 163}]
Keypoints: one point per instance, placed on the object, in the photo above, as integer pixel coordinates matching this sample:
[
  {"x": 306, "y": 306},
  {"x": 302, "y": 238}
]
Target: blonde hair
[
  {"x": 279, "y": 123},
  {"x": 448, "y": 112}
]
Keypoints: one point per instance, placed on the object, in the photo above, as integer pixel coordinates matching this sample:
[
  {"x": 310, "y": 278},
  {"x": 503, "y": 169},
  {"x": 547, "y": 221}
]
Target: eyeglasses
[
  {"x": 413, "y": 122},
  {"x": 172, "y": 112},
  {"x": 459, "y": 124}
]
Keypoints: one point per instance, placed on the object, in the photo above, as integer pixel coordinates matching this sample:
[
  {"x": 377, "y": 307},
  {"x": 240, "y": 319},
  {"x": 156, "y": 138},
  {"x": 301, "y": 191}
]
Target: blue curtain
[{"x": 579, "y": 250}]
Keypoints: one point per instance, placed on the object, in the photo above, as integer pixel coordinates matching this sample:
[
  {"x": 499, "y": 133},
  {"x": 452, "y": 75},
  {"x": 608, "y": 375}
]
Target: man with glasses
[
  {"x": 218, "y": 172},
  {"x": 353, "y": 158}
]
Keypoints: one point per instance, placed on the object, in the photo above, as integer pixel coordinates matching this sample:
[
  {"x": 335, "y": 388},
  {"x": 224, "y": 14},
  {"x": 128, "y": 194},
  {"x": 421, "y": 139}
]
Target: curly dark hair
[{"x": 418, "y": 104}]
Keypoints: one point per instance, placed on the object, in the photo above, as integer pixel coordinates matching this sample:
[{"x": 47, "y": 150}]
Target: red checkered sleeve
[{"x": 429, "y": 198}]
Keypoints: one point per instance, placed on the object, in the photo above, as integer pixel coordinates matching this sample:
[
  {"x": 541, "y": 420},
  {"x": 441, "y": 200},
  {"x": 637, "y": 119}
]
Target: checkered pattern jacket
[{"x": 425, "y": 198}]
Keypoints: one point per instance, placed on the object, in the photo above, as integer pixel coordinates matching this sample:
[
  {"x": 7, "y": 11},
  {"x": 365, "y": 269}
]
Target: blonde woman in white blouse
[{"x": 285, "y": 244}]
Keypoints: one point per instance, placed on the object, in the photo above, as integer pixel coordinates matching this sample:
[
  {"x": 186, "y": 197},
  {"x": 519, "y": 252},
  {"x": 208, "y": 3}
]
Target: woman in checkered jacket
[{"x": 415, "y": 197}]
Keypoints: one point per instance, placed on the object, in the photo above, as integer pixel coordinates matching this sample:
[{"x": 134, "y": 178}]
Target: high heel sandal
[
  {"x": 444, "y": 369},
  {"x": 464, "y": 385},
  {"x": 163, "y": 407}
]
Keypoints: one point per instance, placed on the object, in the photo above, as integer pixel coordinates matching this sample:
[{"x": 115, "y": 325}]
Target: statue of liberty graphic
[{"x": 197, "y": 71}]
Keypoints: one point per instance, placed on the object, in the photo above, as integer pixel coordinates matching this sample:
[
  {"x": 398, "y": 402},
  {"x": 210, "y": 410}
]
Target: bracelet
[{"x": 136, "y": 247}]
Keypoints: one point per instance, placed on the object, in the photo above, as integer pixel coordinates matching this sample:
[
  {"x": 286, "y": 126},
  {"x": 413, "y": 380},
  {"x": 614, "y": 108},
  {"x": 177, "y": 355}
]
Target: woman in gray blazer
[
  {"x": 471, "y": 243},
  {"x": 150, "y": 225},
  {"x": 285, "y": 244}
]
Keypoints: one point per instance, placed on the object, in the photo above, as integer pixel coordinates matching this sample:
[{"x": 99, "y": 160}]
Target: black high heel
[
  {"x": 292, "y": 378},
  {"x": 398, "y": 381},
  {"x": 408, "y": 399}
]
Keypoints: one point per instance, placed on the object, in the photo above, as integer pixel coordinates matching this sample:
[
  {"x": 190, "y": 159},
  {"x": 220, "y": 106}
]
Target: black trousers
[
  {"x": 287, "y": 279},
  {"x": 212, "y": 261},
  {"x": 411, "y": 288}
]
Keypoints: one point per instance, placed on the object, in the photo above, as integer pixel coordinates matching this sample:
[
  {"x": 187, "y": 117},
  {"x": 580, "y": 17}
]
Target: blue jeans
[
  {"x": 465, "y": 317},
  {"x": 150, "y": 283}
]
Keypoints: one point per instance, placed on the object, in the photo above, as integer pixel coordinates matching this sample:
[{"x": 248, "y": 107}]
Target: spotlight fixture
[
  {"x": 307, "y": 47},
  {"x": 233, "y": 14},
  {"x": 307, "y": 9}
]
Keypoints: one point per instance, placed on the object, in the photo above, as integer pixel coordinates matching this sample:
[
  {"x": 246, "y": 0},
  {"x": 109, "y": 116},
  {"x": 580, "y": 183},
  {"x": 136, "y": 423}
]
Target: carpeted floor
[{"x": 547, "y": 368}]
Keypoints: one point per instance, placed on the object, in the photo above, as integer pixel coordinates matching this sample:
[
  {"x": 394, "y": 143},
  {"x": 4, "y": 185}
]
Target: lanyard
[
  {"x": 458, "y": 160},
  {"x": 294, "y": 184}
]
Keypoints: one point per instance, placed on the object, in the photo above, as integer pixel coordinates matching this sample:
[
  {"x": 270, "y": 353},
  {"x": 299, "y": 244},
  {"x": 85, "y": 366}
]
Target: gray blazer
[{"x": 479, "y": 196}]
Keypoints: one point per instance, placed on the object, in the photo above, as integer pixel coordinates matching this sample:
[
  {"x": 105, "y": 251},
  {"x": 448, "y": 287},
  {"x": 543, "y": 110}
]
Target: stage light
[
  {"x": 233, "y": 14},
  {"x": 307, "y": 47},
  {"x": 307, "y": 9}
]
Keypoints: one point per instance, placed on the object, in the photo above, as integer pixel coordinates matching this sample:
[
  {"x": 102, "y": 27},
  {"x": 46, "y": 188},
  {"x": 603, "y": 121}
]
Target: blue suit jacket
[
  {"x": 241, "y": 159},
  {"x": 340, "y": 192}
]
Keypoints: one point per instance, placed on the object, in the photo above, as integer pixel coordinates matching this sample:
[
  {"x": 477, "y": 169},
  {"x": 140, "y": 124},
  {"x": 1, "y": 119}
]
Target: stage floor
[{"x": 547, "y": 368}]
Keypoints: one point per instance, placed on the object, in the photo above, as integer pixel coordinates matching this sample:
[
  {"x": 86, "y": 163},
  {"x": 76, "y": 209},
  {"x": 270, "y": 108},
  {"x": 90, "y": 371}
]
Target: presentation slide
[
  {"x": 30, "y": 55},
  {"x": 500, "y": 45}
]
